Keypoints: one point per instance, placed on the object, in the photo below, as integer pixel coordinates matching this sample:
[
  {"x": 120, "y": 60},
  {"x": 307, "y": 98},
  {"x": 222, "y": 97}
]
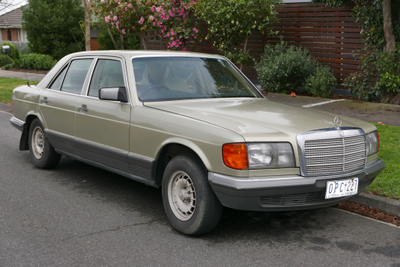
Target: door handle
[
  {"x": 44, "y": 100},
  {"x": 83, "y": 108}
]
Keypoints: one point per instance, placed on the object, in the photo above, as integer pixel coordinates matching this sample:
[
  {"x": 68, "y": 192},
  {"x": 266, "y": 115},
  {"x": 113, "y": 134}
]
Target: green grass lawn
[
  {"x": 388, "y": 182},
  {"x": 7, "y": 85}
]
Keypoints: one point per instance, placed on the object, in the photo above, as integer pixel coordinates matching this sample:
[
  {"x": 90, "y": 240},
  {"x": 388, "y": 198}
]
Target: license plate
[{"x": 341, "y": 188}]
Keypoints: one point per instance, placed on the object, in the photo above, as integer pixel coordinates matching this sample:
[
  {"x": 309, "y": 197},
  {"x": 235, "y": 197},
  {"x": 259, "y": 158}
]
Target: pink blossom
[
  {"x": 141, "y": 20},
  {"x": 102, "y": 1},
  {"x": 151, "y": 17},
  {"x": 195, "y": 30},
  {"x": 158, "y": 9},
  {"x": 130, "y": 5},
  {"x": 123, "y": 31},
  {"x": 115, "y": 18}
]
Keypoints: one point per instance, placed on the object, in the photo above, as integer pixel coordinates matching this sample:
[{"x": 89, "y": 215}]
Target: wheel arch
[
  {"x": 174, "y": 148},
  {"x": 24, "y": 141}
]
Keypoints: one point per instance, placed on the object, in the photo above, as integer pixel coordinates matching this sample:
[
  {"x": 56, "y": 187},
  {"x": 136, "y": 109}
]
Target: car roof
[{"x": 143, "y": 53}]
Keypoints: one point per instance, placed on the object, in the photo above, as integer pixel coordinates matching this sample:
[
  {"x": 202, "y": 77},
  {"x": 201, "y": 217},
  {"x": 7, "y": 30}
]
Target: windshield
[{"x": 172, "y": 78}]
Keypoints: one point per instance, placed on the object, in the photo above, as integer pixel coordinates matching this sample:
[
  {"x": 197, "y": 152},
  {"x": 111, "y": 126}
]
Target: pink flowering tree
[{"x": 172, "y": 22}]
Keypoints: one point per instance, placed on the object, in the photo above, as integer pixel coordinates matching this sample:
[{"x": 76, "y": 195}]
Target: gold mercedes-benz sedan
[{"x": 196, "y": 126}]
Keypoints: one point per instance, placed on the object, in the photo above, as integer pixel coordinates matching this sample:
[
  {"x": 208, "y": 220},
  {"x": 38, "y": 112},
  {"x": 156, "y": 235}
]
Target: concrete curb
[
  {"x": 390, "y": 206},
  {"x": 6, "y": 107}
]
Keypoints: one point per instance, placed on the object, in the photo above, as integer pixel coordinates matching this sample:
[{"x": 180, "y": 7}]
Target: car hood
[{"x": 256, "y": 119}]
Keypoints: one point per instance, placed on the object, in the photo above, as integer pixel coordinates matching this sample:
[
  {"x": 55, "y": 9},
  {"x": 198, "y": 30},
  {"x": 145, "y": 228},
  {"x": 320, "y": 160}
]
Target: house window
[{"x": 9, "y": 37}]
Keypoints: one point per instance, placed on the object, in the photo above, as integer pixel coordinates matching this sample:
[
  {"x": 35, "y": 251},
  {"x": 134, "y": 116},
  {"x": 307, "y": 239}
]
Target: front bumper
[
  {"x": 17, "y": 123},
  {"x": 284, "y": 193}
]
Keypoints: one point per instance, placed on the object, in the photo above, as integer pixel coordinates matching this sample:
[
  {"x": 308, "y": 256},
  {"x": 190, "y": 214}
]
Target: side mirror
[{"x": 113, "y": 94}]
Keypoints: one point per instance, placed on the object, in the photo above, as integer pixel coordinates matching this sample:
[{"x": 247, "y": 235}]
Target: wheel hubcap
[
  {"x": 37, "y": 142},
  {"x": 182, "y": 195}
]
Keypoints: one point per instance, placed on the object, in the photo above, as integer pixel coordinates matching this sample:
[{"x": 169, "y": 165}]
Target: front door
[{"x": 102, "y": 127}]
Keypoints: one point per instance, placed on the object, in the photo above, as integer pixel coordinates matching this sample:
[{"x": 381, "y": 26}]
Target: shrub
[
  {"x": 5, "y": 60},
  {"x": 380, "y": 75},
  {"x": 321, "y": 82},
  {"x": 8, "y": 66},
  {"x": 38, "y": 62},
  {"x": 283, "y": 69}
]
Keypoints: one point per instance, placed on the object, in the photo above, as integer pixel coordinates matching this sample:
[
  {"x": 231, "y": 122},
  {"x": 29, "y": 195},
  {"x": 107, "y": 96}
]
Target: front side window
[
  {"x": 173, "y": 78},
  {"x": 76, "y": 75},
  {"x": 108, "y": 73}
]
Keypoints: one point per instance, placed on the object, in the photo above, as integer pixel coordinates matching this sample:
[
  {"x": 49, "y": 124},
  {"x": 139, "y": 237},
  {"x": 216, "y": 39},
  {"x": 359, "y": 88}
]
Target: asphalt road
[{"x": 78, "y": 215}]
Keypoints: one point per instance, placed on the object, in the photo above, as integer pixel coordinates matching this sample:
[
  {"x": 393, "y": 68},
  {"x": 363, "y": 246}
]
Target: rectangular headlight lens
[
  {"x": 372, "y": 143},
  {"x": 270, "y": 155}
]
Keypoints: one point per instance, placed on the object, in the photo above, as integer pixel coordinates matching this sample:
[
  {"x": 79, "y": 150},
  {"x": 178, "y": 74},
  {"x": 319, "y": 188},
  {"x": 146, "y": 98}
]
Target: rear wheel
[
  {"x": 189, "y": 202},
  {"x": 41, "y": 151}
]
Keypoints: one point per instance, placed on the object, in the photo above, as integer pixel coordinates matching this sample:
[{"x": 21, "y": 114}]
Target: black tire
[
  {"x": 41, "y": 151},
  {"x": 194, "y": 209}
]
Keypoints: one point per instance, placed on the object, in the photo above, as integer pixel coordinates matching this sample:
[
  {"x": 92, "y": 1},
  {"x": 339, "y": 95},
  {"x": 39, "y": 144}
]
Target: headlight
[
  {"x": 372, "y": 143},
  {"x": 258, "y": 155}
]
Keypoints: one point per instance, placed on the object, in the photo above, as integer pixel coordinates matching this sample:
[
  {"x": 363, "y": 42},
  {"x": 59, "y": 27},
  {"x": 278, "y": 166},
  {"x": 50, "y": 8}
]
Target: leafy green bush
[
  {"x": 8, "y": 66},
  {"x": 13, "y": 53},
  {"x": 380, "y": 74},
  {"x": 5, "y": 60},
  {"x": 284, "y": 69},
  {"x": 321, "y": 82},
  {"x": 38, "y": 62}
]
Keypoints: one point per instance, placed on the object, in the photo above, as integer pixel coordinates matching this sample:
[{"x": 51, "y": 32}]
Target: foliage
[
  {"x": 5, "y": 59},
  {"x": 321, "y": 82},
  {"x": 231, "y": 22},
  {"x": 53, "y": 27},
  {"x": 388, "y": 182},
  {"x": 172, "y": 21},
  {"x": 131, "y": 41},
  {"x": 38, "y": 62},
  {"x": 380, "y": 73},
  {"x": 7, "y": 86},
  {"x": 284, "y": 69},
  {"x": 13, "y": 53}
]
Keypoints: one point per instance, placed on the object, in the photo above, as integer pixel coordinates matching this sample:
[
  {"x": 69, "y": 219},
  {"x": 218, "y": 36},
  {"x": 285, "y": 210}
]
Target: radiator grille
[{"x": 334, "y": 155}]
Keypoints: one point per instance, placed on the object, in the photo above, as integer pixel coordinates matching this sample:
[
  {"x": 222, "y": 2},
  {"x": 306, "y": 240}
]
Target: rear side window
[
  {"x": 108, "y": 73},
  {"x": 75, "y": 76},
  {"x": 56, "y": 85}
]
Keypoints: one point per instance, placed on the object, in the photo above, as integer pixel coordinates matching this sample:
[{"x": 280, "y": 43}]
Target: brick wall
[{"x": 7, "y": 33}]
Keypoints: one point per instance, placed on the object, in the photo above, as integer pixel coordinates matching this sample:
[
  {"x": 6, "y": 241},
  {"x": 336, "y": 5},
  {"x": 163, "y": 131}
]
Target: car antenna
[{"x": 26, "y": 76}]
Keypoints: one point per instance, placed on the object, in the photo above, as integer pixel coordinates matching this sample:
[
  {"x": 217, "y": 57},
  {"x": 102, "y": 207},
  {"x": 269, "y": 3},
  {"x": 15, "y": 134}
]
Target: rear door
[{"x": 59, "y": 100}]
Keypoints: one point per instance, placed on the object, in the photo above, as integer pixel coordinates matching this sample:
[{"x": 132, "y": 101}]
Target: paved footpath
[
  {"x": 372, "y": 112},
  {"x": 22, "y": 75}
]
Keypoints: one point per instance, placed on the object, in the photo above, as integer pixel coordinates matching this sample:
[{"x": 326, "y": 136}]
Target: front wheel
[
  {"x": 189, "y": 202},
  {"x": 41, "y": 151}
]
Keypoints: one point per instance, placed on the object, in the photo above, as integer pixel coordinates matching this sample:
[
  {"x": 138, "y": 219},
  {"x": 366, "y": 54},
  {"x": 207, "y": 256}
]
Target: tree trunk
[
  {"x": 88, "y": 6},
  {"x": 389, "y": 98},
  {"x": 143, "y": 41},
  {"x": 244, "y": 50},
  {"x": 112, "y": 37},
  {"x": 121, "y": 40},
  {"x": 387, "y": 25}
]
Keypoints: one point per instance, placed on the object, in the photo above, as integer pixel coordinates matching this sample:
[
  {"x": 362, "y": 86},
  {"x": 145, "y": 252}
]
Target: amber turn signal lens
[{"x": 235, "y": 156}]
